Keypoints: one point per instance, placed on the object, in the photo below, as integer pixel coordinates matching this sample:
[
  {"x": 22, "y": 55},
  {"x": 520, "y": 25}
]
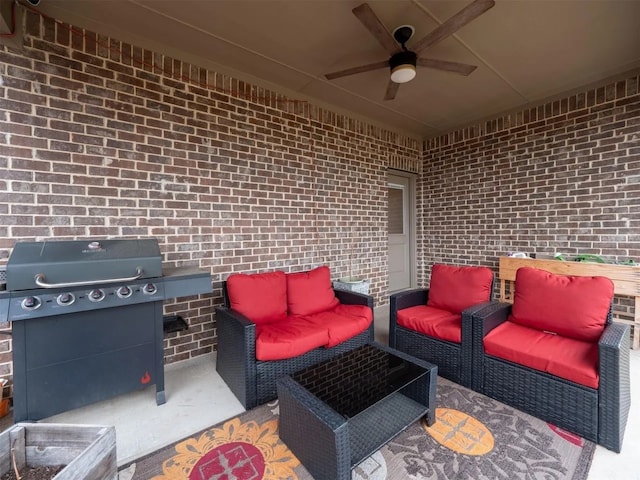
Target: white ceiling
[{"x": 525, "y": 50}]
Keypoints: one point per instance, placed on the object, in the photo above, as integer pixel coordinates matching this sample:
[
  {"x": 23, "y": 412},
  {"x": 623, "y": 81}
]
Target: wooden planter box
[
  {"x": 625, "y": 278},
  {"x": 88, "y": 451}
]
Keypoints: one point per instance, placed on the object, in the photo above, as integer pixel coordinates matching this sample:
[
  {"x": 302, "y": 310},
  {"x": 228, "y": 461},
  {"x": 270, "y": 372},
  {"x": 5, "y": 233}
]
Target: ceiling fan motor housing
[{"x": 406, "y": 61}]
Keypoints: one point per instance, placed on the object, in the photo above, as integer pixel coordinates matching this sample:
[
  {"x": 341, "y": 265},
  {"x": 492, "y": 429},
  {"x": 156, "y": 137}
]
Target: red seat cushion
[
  {"x": 457, "y": 288},
  {"x": 310, "y": 292},
  {"x": 261, "y": 297},
  {"x": 288, "y": 338},
  {"x": 573, "y": 360},
  {"x": 343, "y": 322},
  {"x": 571, "y": 306},
  {"x": 431, "y": 321}
]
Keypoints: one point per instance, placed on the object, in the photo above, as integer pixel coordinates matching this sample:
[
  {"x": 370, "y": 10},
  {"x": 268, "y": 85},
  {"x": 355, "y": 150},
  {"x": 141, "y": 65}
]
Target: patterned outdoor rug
[{"x": 474, "y": 437}]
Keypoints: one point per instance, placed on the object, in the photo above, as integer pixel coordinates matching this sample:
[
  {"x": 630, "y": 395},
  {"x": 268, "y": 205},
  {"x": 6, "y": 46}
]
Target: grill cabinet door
[{"x": 69, "y": 361}]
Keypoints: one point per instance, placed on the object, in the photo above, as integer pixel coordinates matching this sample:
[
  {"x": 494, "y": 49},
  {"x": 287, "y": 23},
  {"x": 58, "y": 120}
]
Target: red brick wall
[
  {"x": 561, "y": 177},
  {"x": 105, "y": 139}
]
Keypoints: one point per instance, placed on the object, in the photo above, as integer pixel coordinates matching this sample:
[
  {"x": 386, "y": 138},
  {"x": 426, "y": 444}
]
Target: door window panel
[{"x": 396, "y": 211}]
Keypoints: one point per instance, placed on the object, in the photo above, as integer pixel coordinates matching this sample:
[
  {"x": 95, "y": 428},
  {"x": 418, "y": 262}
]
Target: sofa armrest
[
  {"x": 401, "y": 300},
  {"x": 482, "y": 322},
  {"x": 614, "y": 390},
  {"x": 347, "y": 297},
  {"x": 236, "y": 357},
  {"x": 232, "y": 321}
]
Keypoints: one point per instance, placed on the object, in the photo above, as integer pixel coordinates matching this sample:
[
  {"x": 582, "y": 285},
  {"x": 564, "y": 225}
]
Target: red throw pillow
[
  {"x": 571, "y": 306},
  {"x": 454, "y": 288},
  {"x": 310, "y": 292},
  {"x": 261, "y": 297}
]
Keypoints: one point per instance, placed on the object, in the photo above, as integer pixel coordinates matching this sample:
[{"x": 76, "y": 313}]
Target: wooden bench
[{"x": 625, "y": 278}]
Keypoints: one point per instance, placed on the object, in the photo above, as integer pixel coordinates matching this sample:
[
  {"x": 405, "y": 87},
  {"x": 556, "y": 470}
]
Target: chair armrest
[
  {"x": 490, "y": 316},
  {"x": 613, "y": 348},
  {"x": 613, "y": 338},
  {"x": 614, "y": 391},
  {"x": 401, "y": 300},
  {"x": 466, "y": 343},
  {"x": 347, "y": 297},
  {"x": 409, "y": 298},
  {"x": 482, "y": 322},
  {"x": 477, "y": 309},
  {"x": 236, "y": 357}
]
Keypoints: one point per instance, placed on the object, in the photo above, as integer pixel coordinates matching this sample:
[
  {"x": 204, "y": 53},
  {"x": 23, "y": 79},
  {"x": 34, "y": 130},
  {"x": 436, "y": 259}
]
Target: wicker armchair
[
  {"x": 253, "y": 381},
  {"x": 438, "y": 320},
  {"x": 599, "y": 412}
]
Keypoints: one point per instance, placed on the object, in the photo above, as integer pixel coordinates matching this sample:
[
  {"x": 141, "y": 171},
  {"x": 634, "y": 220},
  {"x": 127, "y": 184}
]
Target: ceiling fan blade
[
  {"x": 360, "y": 69},
  {"x": 372, "y": 23},
  {"x": 392, "y": 89},
  {"x": 451, "y": 26},
  {"x": 455, "y": 67}
]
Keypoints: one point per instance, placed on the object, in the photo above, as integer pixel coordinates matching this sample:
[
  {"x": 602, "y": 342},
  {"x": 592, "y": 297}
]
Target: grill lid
[{"x": 66, "y": 263}]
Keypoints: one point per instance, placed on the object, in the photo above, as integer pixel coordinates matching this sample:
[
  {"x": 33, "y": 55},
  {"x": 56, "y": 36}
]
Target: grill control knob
[
  {"x": 30, "y": 303},
  {"x": 96, "y": 295},
  {"x": 124, "y": 292},
  {"x": 66, "y": 299},
  {"x": 150, "y": 289}
]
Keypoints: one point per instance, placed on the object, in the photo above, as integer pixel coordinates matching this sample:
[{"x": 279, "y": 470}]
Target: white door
[{"x": 400, "y": 232}]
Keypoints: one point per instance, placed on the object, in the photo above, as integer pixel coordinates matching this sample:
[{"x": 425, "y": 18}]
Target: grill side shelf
[{"x": 185, "y": 281}]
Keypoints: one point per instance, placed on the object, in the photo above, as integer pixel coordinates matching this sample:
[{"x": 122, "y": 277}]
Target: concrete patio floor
[{"x": 198, "y": 398}]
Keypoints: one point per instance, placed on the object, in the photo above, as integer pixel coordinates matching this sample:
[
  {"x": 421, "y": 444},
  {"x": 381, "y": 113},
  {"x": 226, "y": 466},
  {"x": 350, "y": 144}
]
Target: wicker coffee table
[{"x": 336, "y": 414}]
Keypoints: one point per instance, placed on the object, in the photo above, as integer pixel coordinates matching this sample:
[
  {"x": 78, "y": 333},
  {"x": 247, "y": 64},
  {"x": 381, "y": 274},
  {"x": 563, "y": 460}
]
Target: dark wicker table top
[{"x": 356, "y": 380}]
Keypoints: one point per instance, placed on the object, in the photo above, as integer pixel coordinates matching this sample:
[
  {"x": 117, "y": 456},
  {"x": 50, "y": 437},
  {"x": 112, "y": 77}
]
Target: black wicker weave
[
  {"x": 454, "y": 360},
  {"x": 599, "y": 415},
  {"x": 253, "y": 382},
  {"x": 330, "y": 442}
]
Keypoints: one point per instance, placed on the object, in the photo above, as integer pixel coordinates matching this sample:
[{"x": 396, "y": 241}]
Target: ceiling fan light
[
  {"x": 403, "y": 66},
  {"x": 403, "y": 73}
]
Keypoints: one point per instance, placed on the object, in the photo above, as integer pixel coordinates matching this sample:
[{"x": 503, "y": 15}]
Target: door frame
[{"x": 412, "y": 220}]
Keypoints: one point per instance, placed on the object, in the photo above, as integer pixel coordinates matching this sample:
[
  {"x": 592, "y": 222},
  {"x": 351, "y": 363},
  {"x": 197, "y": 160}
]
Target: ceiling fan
[{"x": 403, "y": 62}]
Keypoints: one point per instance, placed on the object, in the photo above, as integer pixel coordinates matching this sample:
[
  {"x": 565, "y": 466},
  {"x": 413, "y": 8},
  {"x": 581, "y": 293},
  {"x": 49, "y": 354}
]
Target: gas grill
[{"x": 87, "y": 320}]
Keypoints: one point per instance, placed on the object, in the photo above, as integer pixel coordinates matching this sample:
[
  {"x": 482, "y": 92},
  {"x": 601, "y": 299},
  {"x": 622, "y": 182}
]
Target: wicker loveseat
[
  {"x": 556, "y": 354},
  {"x": 274, "y": 324},
  {"x": 434, "y": 324}
]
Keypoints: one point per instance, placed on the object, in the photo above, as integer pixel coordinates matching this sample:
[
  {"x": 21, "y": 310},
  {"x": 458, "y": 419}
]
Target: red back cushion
[
  {"x": 310, "y": 292},
  {"x": 261, "y": 297},
  {"x": 571, "y": 306},
  {"x": 454, "y": 288}
]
